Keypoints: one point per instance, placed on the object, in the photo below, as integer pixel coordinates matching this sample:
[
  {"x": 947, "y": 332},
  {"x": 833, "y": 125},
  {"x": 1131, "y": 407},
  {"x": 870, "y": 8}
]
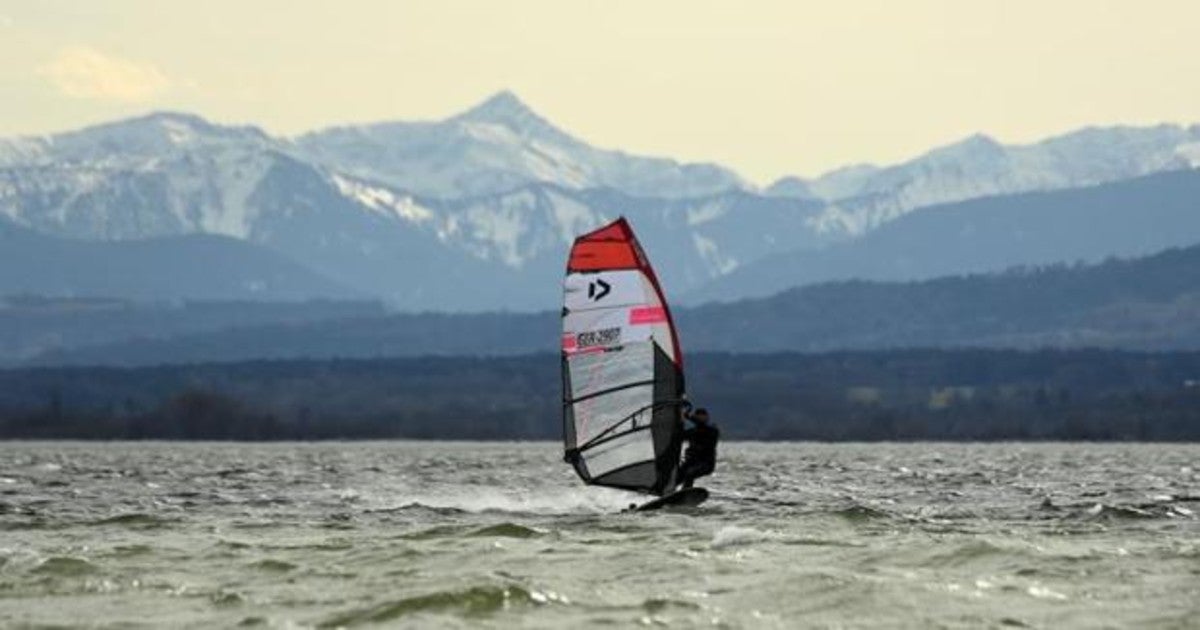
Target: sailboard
[
  {"x": 622, "y": 368},
  {"x": 685, "y": 498}
]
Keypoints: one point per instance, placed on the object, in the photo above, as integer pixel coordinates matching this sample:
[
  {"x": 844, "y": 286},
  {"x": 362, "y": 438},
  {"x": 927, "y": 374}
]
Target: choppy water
[{"x": 457, "y": 535}]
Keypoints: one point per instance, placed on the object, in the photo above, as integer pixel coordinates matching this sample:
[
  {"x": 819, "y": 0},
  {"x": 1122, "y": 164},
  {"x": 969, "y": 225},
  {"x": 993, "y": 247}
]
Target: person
[{"x": 701, "y": 455}]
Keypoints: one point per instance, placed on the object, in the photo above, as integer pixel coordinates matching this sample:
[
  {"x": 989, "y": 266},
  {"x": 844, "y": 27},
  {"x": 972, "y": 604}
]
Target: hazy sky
[{"x": 768, "y": 88}]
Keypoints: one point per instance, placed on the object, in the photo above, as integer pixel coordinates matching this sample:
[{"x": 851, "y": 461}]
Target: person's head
[{"x": 700, "y": 415}]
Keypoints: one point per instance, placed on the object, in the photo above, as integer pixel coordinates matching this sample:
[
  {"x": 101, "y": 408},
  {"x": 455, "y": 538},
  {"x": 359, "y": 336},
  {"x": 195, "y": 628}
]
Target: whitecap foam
[
  {"x": 733, "y": 536},
  {"x": 485, "y": 499}
]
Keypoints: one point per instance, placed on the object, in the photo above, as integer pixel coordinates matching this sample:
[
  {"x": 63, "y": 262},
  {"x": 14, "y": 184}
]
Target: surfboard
[
  {"x": 688, "y": 497},
  {"x": 622, "y": 369}
]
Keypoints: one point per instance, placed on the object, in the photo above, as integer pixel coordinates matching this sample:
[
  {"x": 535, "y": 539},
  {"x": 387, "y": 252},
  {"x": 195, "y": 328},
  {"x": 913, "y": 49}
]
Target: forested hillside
[
  {"x": 906, "y": 395},
  {"x": 1146, "y": 303}
]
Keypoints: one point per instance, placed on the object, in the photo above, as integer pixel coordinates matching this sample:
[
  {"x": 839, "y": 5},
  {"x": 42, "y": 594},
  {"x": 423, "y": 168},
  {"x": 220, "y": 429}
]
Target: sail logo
[
  {"x": 598, "y": 338},
  {"x": 597, "y": 289}
]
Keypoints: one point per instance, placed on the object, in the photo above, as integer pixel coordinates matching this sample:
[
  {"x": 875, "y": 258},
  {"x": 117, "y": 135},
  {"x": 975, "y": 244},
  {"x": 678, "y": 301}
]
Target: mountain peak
[
  {"x": 178, "y": 121},
  {"x": 152, "y": 120},
  {"x": 159, "y": 127},
  {"x": 978, "y": 141},
  {"x": 505, "y": 108},
  {"x": 169, "y": 116},
  {"x": 974, "y": 146},
  {"x": 502, "y": 104},
  {"x": 790, "y": 186}
]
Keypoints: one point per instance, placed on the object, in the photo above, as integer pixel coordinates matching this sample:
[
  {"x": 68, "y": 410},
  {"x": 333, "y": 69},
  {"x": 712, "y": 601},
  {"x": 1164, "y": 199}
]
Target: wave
[
  {"x": 964, "y": 554},
  {"x": 657, "y": 605},
  {"x": 65, "y": 566},
  {"x": 271, "y": 565},
  {"x": 860, "y": 513},
  {"x": 227, "y": 599},
  {"x": 136, "y": 520},
  {"x": 128, "y": 551},
  {"x": 508, "y": 530},
  {"x": 478, "y": 601}
]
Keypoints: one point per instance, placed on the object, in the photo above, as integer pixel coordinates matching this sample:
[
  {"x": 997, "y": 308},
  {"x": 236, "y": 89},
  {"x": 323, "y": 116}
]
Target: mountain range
[
  {"x": 1126, "y": 218},
  {"x": 475, "y": 212},
  {"x": 1147, "y": 303}
]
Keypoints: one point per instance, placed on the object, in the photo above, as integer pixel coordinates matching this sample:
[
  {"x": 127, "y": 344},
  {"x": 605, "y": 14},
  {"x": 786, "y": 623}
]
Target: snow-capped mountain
[
  {"x": 521, "y": 236},
  {"x": 168, "y": 175},
  {"x": 496, "y": 146},
  {"x": 1127, "y": 218},
  {"x": 158, "y": 175},
  {"x": 476, "y": 211},
  {"x": 864, "y": 197}
]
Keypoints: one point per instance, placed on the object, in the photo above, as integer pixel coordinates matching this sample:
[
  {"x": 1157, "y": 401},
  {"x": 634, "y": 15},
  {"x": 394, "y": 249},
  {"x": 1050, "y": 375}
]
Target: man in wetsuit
[{"x": 701, "y": 454}]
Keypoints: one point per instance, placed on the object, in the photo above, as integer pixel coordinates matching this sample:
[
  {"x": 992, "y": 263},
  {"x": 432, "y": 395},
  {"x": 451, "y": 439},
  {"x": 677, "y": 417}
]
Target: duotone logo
[{"x": 597, "y": 289}]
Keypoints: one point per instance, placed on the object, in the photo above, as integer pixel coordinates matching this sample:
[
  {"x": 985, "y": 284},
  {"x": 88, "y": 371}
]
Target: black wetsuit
[{"x": 701, "y": 454}]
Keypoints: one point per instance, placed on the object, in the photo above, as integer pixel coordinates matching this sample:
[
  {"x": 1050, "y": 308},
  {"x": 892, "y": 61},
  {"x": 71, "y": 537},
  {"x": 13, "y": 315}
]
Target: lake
[{"x": 503, "y": 535}]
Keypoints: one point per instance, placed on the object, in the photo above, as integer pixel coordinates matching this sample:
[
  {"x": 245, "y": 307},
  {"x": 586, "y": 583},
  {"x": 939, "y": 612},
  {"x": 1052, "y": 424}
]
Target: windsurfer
[{"x": 701, "y": 455}]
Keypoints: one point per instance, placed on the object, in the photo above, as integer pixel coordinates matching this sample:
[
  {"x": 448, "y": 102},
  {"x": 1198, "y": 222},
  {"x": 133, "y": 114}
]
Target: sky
[{"x": 766, "y": 88}]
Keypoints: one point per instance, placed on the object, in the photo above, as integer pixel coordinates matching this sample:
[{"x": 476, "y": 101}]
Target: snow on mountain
[
  {"x": 383, "y": 200},
  {"x": 496, "y": 146},
  {"x": 146, "y": 139},
  {"x": 862, "y": 198},
  {"x": 1189, "y": 153},
  {"x": 158, "y": 175},
  {"x": 477, "y": 211},
  {"x": 1127, "y": 218},
  {"x": 843, "y": 182},
  {"x": 14, "y": 151},
  {"x": 171, "y": 175}
]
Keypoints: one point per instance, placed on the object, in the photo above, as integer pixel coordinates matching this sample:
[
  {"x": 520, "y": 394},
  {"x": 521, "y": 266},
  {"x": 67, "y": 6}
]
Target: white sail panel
[
  {"x": 603, "y": 289},
  {"x": 620, "y": 453},
  {"x": 597, "y": 372}
]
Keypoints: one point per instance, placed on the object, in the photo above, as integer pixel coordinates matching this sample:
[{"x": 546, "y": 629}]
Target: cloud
[{"x": 82, "y": 72}]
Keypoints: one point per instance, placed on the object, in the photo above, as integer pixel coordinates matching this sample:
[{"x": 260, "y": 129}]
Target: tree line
[
  {"x": 881, "y": 395},
  {"x": 1150, "y": 303}
]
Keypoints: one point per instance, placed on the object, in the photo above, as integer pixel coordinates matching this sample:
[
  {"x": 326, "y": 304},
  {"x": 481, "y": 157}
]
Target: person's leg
[{"x": 687, "y": 474}]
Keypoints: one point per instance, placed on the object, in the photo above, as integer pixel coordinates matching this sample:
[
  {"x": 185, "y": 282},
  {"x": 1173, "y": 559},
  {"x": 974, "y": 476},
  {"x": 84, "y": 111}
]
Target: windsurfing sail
[{"x": 621, "y": 366}]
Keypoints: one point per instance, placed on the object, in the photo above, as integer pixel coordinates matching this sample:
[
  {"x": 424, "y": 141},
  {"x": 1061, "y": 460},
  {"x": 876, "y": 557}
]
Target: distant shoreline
[
  {"x": 888, "y": 396},
  {"x": 557, "y": 443}
]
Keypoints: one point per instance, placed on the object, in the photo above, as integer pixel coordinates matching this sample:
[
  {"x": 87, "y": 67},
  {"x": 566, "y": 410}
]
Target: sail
[{"x": 621, "y": 364}]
